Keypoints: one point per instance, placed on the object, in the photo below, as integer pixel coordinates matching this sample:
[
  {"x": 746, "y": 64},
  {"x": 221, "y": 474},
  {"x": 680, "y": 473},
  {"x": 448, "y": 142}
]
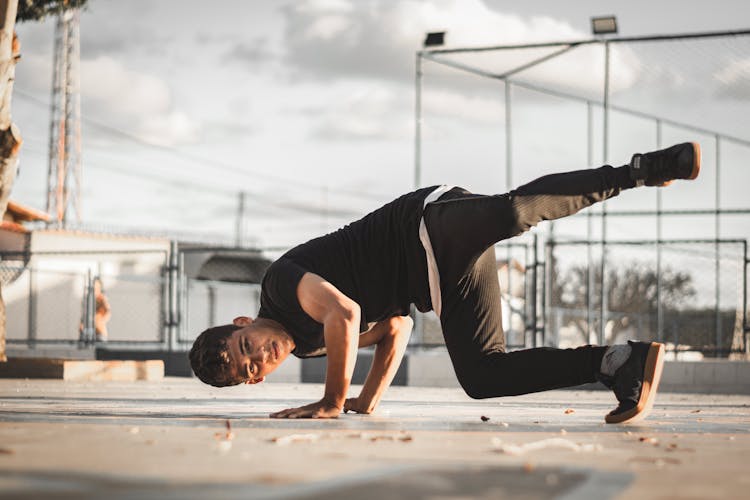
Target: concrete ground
[{"x": 169, "y": 439}]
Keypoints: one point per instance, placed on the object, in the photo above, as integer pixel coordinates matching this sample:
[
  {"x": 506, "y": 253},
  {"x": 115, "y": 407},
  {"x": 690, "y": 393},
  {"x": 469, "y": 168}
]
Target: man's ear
[
  {"x": 242, "y": 321},
  {"x": 255, "y": 380}
]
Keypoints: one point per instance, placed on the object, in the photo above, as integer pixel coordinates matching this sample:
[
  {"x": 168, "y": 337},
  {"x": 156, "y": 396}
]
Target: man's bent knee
[
  {"x": 482, "y": 379},
  {"x": 472, "y": 383}
]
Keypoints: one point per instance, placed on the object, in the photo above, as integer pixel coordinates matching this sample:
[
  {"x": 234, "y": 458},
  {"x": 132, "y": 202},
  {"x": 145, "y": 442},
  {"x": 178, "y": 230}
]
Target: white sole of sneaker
[{"x": 651, "y": 378}]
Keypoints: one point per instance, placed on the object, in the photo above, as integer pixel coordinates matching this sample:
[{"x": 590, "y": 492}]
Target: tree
[
  {"x": 10, "y": 137},
  {"x": 631, "y": 290}
]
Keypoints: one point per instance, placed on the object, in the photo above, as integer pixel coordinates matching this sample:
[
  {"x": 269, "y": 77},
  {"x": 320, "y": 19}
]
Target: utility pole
[
  {"x": 239, "y": 232},
  {"x": 64, "y": 174}
]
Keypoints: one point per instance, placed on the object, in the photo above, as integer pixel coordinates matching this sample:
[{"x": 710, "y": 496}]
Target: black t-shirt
[{"x": 377, "y": 261}]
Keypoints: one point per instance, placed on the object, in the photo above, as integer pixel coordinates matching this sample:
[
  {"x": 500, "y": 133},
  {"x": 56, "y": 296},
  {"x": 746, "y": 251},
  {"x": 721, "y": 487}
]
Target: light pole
[{"x": 604, "y": 25}]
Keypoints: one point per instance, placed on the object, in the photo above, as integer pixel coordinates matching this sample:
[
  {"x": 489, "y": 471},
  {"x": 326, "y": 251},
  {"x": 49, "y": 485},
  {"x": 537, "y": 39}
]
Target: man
[{"x": 433, "y": 248}]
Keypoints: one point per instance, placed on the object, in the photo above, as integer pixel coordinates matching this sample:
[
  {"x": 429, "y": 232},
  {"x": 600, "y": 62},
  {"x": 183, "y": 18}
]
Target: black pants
[{"x": 463, "y": 229}]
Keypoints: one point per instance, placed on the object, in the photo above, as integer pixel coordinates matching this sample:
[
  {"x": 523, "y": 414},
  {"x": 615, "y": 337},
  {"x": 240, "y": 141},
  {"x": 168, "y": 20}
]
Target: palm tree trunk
[{"x": 10, "y": 138}]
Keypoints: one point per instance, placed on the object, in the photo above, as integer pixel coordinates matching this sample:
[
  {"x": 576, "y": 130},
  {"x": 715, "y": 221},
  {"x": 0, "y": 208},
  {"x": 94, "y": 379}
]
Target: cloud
[
  {"x": 476, "y": 108},
  {"x": 384, "y": 111},
  {"x": 137, "y": 102},
  {"x": 97, "y": 41},
  {"x": 347, "y": 40},
  {"x": 34, "y": 73},
  {"x": 334, "y": 39},
  {"x": 252, "y": 52},
  {"x": 122, "y": 28},
  {"x": 734, "y": 80},
  {"x": 109, "y": 83},
  {"x": 366, "y": 114},
  {"x": 167, "y": 129}
]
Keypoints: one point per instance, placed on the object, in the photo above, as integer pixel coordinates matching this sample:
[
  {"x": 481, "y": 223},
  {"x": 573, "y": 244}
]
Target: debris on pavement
[
  {"x": 296, "y": 438},
  {"x": 569, "y": 411},
  {"x": 514, "y": 449},
  {"x": 225, "y": 438},
  {"x": 484, "y": 419},
  {"x": 368, "y": 436},
  {"x": 675, "y": 447},
  {"x": 649, "y": 440},
  {"x": 405, "y": 438},
  {"x": 657, "y": 461},
  {"x": 382, "y": 437},
  {"x": 227, "y": 435}
]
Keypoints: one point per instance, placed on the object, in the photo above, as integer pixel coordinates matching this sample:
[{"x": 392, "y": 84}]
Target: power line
[
  {"x": 253, "y": 197},
  {"x": 204, "y": 161}
]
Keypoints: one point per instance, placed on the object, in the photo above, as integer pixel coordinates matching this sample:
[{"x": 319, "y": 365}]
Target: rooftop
[{"x": 170, "y": 439}]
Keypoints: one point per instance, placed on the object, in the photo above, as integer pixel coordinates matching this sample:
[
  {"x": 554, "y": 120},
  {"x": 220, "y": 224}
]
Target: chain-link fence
[
  {"x": 85, "y": 297},
  {"x": 150, "y": 299},
  {"x": 216, "y": 286},
  {"x": 690, "y": 294},
  {"x": 533, "y": 109},
  {"x": 211, "y": 303},
  {"x": 520, "y": 272}
]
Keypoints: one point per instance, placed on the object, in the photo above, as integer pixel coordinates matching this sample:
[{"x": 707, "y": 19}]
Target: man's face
[{"x": 257, "y": 350}]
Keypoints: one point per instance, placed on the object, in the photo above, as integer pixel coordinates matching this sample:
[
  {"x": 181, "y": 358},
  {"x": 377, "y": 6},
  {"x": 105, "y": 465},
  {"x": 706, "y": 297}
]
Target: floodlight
[
  {"x": 604, "y": 25},
  {"x": 434, "y": 39}
]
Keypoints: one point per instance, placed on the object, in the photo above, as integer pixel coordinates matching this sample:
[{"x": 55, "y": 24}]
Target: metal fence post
[
  {"x": 211, "y": 289},
  {"x": 549, "y": 262},
  {"x": 605, "y": 157},
  {"x": 589, "y": 227},
  {"x": 88, "y": 333},
  {"x": 181, "y": 297},
  {"x": 172, "y": 297},
  {"x": 418, "y": 122},
  {"x": 31, "y": 334},
  {"x": 544, "y": 303},
  {"x": 534, "y": 281},
  {"x": 659, "y": 308},
  {"x": 745, "y": 325},
  {"x": 508, "y": 187},
  {"x": 717, "y": 263}
]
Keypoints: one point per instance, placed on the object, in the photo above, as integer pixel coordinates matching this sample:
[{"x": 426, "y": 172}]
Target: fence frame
[
  {"x": 551, "y": 244},
  {"x": 86, "y": 338},
  {"x": 436, "y": 55},
  {"x": 174, "y": 293}
]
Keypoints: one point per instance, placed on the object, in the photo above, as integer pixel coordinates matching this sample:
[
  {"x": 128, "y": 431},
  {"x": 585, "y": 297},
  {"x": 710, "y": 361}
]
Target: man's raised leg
[{"x": 462, "y": 229}]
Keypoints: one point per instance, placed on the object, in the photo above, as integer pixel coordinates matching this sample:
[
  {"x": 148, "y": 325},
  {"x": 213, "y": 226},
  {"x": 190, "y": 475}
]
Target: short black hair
[{"x": 209, "y": 356}]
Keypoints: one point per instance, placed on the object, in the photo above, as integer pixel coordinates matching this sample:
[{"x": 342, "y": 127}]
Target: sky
[{"x": 307, "y": 107}]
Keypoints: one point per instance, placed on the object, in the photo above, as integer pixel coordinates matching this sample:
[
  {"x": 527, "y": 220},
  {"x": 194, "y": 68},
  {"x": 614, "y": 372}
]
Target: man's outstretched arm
[
  {"x": 390, "y": 337},
  {"x": 340, "y": 316}
]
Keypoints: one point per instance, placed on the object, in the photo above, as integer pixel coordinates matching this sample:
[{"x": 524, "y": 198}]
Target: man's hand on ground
[
  {"x": 319, "y": 409},
  {"x": 356, "y": 406}
]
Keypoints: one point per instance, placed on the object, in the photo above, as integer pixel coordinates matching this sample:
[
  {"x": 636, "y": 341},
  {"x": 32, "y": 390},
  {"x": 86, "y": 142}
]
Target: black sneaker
[
  {"x": 635, "y": 382},
  {"x": 660, "y": 168}
]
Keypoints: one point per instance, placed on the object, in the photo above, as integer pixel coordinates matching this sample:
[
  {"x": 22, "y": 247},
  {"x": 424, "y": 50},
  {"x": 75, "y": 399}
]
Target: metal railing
[{"x": 695, "y": 299}]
